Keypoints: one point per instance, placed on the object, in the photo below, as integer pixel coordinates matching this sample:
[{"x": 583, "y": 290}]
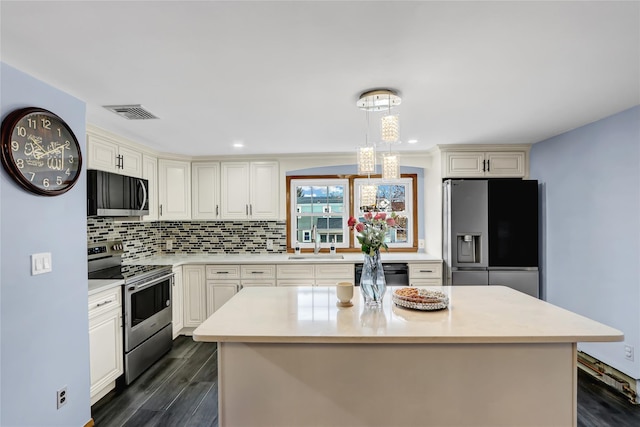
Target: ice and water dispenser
[{"x": 468, "y": 246}]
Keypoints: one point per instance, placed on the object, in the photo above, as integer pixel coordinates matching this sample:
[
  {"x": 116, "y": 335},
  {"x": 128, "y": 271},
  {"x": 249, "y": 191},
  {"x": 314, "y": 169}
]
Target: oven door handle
[{"x": 136, "y": 288}]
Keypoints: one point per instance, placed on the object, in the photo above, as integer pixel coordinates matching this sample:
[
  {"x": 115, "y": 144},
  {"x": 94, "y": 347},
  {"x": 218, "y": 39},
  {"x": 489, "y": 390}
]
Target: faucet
[{"x": 315, "y": 239}]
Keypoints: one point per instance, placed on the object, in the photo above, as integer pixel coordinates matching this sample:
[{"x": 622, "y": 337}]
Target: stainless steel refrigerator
[{"x": 490, "y": 233}]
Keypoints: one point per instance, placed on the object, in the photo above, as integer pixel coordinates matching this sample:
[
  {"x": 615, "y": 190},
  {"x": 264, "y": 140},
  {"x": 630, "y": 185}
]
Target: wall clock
[{"x": 40, "y": 151}]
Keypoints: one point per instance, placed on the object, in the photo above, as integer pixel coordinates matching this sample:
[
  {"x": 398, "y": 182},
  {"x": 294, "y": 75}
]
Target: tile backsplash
[{"x": 144, "y": 239}]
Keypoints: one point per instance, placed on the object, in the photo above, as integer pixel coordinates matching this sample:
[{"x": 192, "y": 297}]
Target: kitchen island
[{"x": 494, "y": 357}]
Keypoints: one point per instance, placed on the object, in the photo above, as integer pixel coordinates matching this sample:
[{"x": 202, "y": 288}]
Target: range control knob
[{"x": 117, "y": 247}]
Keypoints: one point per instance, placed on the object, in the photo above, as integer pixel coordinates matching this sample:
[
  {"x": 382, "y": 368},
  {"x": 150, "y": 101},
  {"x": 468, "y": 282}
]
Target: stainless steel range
[{"x": 146, "y": 296}]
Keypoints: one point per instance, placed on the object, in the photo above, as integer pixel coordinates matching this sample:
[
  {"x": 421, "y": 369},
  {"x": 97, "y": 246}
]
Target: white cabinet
[
  {"x": 461, "y": 164},
  {"x": 195, "y": 301},
  {"x": 105, "y": 341},
  {"x": 314, "y": 274},
  {"x": 427, "y": 273},
  {"x": 177, "y": 302},
  {"x": 105, "y": 153},
  {"x": 249, "y": 190},
  {"x": 223, "y": 282},
  {"x": 205, "y": 181},
  {"x": 257, "y": 275},
  {"x": 174, "y": 189},
  {"x": 150, "y": 173}
]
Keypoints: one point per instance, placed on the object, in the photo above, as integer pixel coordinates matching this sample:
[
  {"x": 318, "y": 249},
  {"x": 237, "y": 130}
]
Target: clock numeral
[
  {"x": 59, "y": 180},
  {"x": 68, "y": 172},
  {"x": 70, "y": 159},
  {"x": 33, "y": 175},
  {"x": 59, "y": 132},
  {"x": 33, "y": 123},
  {"x": 15, "y": 146},
  {"x": 20, "y": 163},
  {"x": 22, "y": 131},
  {"x": 45, "y": 183},
  {"x": 46, "y": 123}
]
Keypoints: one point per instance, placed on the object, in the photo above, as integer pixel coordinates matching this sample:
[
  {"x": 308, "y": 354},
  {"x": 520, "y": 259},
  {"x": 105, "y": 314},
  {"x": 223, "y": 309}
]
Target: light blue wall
[
  {"x": 590, "y": 198},
  {"x": 43, "y": 319}
]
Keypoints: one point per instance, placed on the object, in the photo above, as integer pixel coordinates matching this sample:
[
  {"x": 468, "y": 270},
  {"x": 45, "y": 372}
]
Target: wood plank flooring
[{"x": 181, "y": 390}]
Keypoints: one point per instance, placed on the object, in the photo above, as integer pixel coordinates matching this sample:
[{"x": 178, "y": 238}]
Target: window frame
[
  {"x": 295, "y": 182},
  {"x": 352, "y": 245}
]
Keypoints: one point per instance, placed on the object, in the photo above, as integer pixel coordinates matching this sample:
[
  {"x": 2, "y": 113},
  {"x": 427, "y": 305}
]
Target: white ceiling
[{"x": 284, "y": 77}]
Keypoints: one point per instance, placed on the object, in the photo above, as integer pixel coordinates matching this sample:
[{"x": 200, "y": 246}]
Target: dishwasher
[{"x": 395, "y": 273}]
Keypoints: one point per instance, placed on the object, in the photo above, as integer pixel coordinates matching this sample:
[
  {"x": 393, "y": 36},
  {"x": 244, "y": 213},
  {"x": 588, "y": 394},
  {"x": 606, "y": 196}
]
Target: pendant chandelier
[{"x": 380, "y": 100}]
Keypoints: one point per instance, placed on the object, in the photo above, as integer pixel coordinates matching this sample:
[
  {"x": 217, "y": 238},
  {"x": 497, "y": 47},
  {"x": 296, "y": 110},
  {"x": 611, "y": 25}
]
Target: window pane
[
  {"x": 335, "y": 199},
  {"x": 319, "y": 198}
]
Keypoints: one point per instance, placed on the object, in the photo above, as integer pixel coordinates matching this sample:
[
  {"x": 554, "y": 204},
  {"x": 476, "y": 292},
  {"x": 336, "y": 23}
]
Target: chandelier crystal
[
  {"x": 390, "y": 128},
  {"x": 366, "y": 160},
  {"x": 368, "y": 194},
  {"x": 390, "y": 166}
]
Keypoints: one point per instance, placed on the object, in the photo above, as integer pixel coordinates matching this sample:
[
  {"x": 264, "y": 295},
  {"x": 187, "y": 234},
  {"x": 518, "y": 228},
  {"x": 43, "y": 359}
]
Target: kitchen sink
[{"x": 317, "y": 256}]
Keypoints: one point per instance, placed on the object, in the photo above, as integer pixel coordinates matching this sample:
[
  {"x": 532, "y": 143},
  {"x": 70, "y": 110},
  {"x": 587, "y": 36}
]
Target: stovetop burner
[
  {"x": 105, "y": 262},
  {"x": 127, "y": 271}
]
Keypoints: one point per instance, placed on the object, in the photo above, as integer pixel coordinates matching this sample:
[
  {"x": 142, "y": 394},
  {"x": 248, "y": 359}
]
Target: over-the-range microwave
[{"x": 111, "y": 194}]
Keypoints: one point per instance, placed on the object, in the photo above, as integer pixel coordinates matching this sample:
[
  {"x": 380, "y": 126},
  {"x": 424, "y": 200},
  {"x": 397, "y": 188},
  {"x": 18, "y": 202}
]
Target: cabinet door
[
  {"x": 130, "y": 162},
  {"x": 234, "y": 190},
  {"x": 174, "y": 189},
  {"x": 219, "y": 292},
  {"x": 177, "y": 302},
  {"x": 506, "y": 164},
  {"x": 205, "y": 193},
  {"x": 264, "y": 191},
  {"x": 105, "y": 350},
  {"x": 193, "y": 282},
  {"x": 150, "y": 173},
  {"x": 462, "y": 164},
  {"x": 101, "y": 154}
]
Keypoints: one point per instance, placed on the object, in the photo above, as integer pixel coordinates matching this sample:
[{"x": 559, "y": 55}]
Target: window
[
  {"x": 391, "y": 197},
  {"x": 327, "y": 202},
  {"x": 322, "y": 203}
]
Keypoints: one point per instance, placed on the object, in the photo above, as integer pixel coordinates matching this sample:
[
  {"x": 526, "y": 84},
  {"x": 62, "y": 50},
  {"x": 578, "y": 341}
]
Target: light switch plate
[{"x": 41, "y": 263}]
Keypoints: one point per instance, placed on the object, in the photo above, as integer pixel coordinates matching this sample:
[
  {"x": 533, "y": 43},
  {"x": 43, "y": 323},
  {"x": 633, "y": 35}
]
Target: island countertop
[{"x": 476, "y": 314}]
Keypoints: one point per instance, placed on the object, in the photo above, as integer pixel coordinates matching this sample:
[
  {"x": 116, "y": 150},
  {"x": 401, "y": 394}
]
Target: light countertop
[
  {"x": 99, "y": 285},
  {"x": 349, "y": 258},
  {"x": 476, "y": 314}
]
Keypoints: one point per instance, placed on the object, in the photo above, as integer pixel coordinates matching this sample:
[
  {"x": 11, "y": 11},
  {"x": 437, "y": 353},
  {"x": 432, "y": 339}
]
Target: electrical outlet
[
  {"x": 169, "y": 244},
  {"x": 628, "y": 352},
  {"x": 421, "y": 243},
  {"x": 61, "y": 397},
  {"x": 269, "y": 244}
]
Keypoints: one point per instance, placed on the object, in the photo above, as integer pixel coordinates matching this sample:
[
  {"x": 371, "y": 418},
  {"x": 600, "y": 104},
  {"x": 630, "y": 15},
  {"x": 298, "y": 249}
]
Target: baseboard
[
  {"x": 89, "y": 423},
  {"x": 610, "y": 376}
]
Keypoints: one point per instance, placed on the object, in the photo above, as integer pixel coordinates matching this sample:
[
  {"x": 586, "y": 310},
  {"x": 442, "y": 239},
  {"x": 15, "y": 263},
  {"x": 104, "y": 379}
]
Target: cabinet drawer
[
  {"x": 258, "y": 271},
  {"x": 340, "y": 271},
  {"x": 223, "y": 272},
  {"x": 425, "y": 282},
  {"x": 295, "y": 282},
  {"x": 432, "y": 270},
  {"x": 295, "y": 271},
  {"x": 256, "y": 282},
  {"x": 105, "y": 301}
]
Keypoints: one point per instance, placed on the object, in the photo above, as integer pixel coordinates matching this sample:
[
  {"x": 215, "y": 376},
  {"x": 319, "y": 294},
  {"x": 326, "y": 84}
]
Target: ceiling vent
[{"x": 131, "y": 112}]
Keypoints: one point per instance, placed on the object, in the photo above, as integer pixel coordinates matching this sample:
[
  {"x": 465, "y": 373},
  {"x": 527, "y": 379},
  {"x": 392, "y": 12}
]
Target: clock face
[{"x": 40, "y": 151}]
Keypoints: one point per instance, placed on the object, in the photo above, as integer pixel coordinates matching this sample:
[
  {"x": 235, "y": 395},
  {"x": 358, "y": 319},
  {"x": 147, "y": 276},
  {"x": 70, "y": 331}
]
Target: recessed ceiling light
[
  {"x": 238, "y": 144},
  {"x": 412, "y": 141}
]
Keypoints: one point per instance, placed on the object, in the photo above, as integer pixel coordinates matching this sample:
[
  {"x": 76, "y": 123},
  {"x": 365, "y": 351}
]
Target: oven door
[{"x": 147, "y": 309}]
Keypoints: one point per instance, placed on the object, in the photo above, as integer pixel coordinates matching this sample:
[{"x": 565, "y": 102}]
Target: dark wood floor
[{"x": 181, "y": 390}]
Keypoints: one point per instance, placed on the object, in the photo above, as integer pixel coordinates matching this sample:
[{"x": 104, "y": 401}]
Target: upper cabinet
[
  {"x": 249, "y": 190},
  {"x": 502, "y": 162},
  {"x": 108, "y": 154},
  {"x": 205, "y": 190},
  {"x": 150, "y": 173},
  {"x": 174, "y": 189}
]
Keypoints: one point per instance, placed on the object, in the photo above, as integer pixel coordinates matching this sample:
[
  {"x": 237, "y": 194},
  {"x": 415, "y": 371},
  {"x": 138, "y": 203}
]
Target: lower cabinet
[
  {"x": 314, "y": 274},
  {"x": 425, "y": 273},
  {"x": 177, "y": 302},
  {"x": 105, "y": 341},
  {"x": 195, "y": 301},
  {"x": 219, "y": 292}
]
